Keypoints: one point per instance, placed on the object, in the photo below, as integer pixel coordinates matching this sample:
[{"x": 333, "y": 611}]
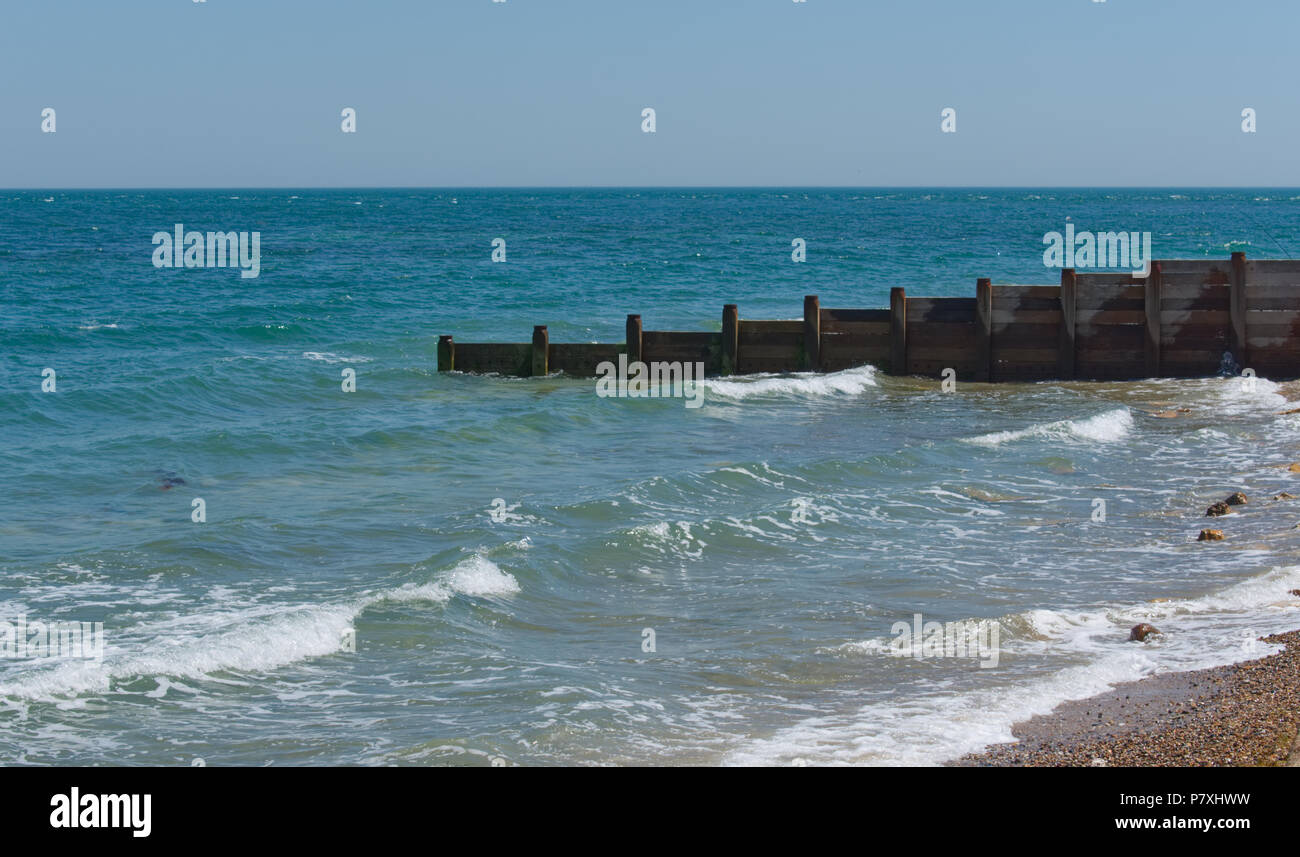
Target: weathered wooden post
[
  {"x": 1065, "y": 348},
  {"x": 633, "y": 339},
  {"x": 446, "y": 354},
  {"x": 730, "y": 338},
  {"x": 897, "y": 331},
  {"x": 1152, "y": 300},
  {"x": 983, "y": 329},
  {"x": 1237, "y": 308},
  {"x": 812, "y": 333},
  {"x": 541, "y": 345}
]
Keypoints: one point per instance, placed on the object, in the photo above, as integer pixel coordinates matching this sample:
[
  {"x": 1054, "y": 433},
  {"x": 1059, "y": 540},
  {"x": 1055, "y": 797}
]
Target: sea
[{"x": 447, "y": 569}]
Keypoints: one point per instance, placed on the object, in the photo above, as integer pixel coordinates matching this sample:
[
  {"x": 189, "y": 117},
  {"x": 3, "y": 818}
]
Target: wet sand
[{"x": 1244, "y": 714}]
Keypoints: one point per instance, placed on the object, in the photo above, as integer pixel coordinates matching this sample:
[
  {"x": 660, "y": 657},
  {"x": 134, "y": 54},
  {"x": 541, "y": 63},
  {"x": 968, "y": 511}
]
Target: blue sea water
[{"x": 446, "y": 569}]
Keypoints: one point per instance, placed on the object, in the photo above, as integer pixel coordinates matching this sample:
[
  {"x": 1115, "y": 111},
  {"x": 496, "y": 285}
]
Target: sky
[{"x": 470, "y": 93}]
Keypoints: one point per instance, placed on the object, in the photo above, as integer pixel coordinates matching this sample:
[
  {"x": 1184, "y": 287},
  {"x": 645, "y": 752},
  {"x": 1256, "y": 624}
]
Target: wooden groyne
[{"x": 1176, "y": 322}]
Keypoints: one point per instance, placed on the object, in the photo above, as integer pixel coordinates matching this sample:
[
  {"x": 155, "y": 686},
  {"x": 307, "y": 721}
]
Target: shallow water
[{"x": 497, "y": 548}]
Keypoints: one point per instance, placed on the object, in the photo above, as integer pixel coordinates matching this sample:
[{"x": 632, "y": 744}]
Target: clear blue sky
[{"x": 241, "y": 93}]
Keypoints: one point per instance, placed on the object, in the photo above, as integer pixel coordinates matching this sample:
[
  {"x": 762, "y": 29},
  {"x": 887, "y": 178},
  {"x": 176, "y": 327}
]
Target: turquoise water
[{"x": 497, "y": 548}]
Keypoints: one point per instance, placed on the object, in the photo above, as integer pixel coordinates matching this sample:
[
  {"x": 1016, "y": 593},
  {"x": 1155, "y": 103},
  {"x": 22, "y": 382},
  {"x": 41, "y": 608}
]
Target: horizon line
[{"x": 642, "y": 187}]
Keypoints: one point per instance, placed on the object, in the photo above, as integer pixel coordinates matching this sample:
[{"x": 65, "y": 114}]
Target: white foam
[
  {"x": 929, "y": 728},
  {"x": 294, "y": 635},
  {"x": 330, "y": 357},
  {"x": 480, "y": 577},
  {"x": 256, "y": 638},
  {"x": 1247, "y": 395},
  {"x": 849, "y": 382},
  {"x": 1105, "y": 427}
]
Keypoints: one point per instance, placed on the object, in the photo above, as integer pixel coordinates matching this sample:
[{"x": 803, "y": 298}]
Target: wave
[
  {"x": 256, "y": 639},
  {"x": 331, "y": 357},
  {"x": 849, "y": 382},
  {"x": 1219, "y": 628},
  {"x": 1105, "y": 427}
]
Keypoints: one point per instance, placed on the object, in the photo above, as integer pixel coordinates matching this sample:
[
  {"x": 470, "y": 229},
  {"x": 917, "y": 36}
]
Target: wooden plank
[
  {"x": 849, "y": 350},
  {"x": 868, "y": 328},
  {"x": 1153, "y": 286},
  {"x": 1011, "y": 293},
  {"x": 633, "y": 338},
  {"x": 932, "y": 334},
  {"x": 1117, "y": 335},
  {"x": 1208, "y": 358},
  {"x": 765, "y": 328},
  {"x": 581, "y": 359},
  {"x": 1194, "y": 291},
  {"x": 730, "y": 338},
  {"x": 1237, "y": 309},
  {"x": 1003, "y": 316},
  {"x": 1255, "y": 302},
  {"x": 670, "y": 346},
  {"x": 812, "y": 333},
  {"x": 1105, "y": 280},
  {"x": 1107, "y": 317},
  {"x": 983, "y": 328},
  {"x": 446, "y": 354},
  {"x": 935, "y": 362},
  {"x": 754, "y": 366},
  {"x": 1027, "y": 335},
  {"x": 1257, "y": 291},
  {"x": 897, "y": 331},
  {"x": 791, "y": 354},
  {"x": 836, "y": 361},
  {"x": 1027, "y": 374},
  {"x": 1273, "y": 331},
  {"x": 676, "y": 338},
  {"x": 1255, "y": 316},
  {"x": 1201, "y": 280},
  {"x": 1200, "y": 267},
  {"x": 830, "y": 316},
  {"x": 1207, "y": 303},
  {"x": 1198, "y": 335},
  {"x": 1275, "y": 280},
  {"x": 541, "y": 351},
  {"x": 1112, "y": 298},
  {"x": 1012, "y": 356},
  {"x": 1177, "y": 318},
  {"x": 1067, "y": 345},
  {"x": 941, "y": 309},
  {"x": 1128, "y": 357},
  {"x": 504, "y": 358},
  {"x": 1271, "y": 339},
  {"x": 1264, "y": 267}
]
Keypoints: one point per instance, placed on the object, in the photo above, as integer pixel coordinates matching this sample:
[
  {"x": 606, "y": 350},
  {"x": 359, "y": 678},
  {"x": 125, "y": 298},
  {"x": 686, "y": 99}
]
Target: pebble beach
[{"x": 1244, "y": 714}]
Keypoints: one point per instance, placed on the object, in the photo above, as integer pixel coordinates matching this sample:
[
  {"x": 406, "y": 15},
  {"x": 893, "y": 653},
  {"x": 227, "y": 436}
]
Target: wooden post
[
  {"x": 983, "y": 329},
  {"x": 812, "y": 333},
  {"x": 1153, "y": 321},
  {"x": 730, "y": 338},
  {"x": 1065, "y": 348},
  {"x": 1237, "y": 307},
  {"x": 541, "y": 345},
  {"x": 633, "y": 339},
  {"x": 897, "y": 331},
  {"x": 446, "y": 354}
]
